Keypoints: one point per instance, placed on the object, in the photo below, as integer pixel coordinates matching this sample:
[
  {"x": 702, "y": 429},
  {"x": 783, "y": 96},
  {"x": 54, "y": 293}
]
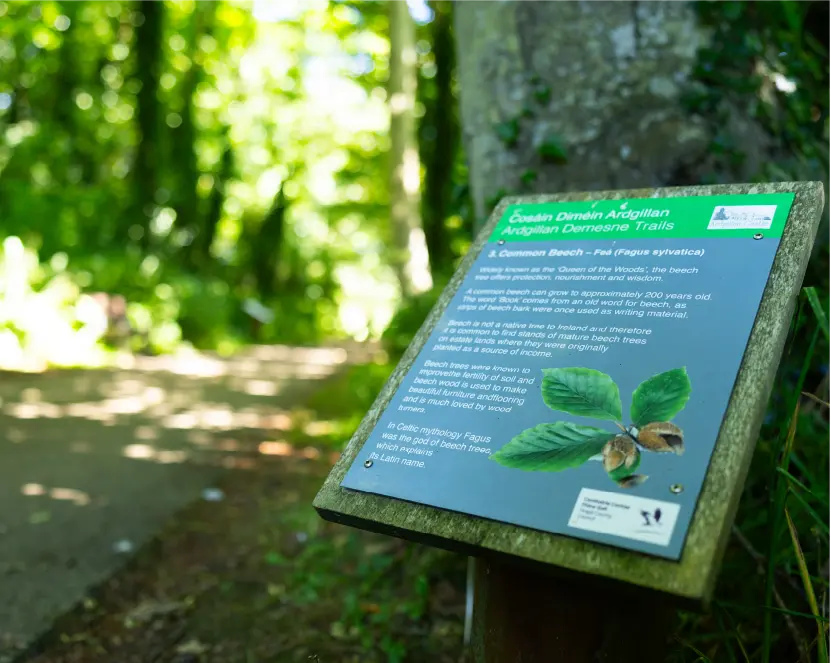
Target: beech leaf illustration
[
  {"x": 552, "y": 447},
  {"x": 660, "y": 397},
  {"x": 581, "y": 391}
]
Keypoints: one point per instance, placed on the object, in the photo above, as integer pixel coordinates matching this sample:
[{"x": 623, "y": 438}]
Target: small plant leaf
[
  {"x": 819, "y": 311},
  {"x": 508, "y": 132},
  {"x": 809, "y": 588},
  {"x": 553, "y": 150},
  {"x": 660, "y": 397},
  {"x": 552, "y": 447},
  {"x": 581, "y": 391}
]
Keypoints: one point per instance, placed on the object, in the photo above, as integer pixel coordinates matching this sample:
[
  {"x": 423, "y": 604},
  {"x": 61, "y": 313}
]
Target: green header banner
[{"x": 647, "y": 218}]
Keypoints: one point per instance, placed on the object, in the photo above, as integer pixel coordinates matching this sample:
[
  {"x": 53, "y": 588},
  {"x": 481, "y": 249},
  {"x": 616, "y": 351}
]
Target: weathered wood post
[{"x": 580, "y": 409}]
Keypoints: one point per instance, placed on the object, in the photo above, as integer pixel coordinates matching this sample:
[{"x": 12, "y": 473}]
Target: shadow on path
[{"x": 92, "y": 463}]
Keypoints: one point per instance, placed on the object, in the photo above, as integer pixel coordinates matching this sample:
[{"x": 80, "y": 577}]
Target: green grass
[{"x": 772, "y": 597}]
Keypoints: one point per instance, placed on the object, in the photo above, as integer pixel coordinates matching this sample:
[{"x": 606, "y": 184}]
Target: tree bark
[
  {"x": 409, "y": 254},
  {"x": 440, "y": 153},
  {"x": 148, "y": 112},
  {"x": 567, "y": 96},
  {"x": 573, "y": 96}
]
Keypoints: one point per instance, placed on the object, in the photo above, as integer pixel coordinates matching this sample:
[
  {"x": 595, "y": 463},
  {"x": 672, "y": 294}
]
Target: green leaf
[
  {"x": 552, "y": 447},
  {"x": 581, "y": 391},
  {"x": 508, "y": 132},
  {"x": 819, "y": 311},
  {"x": 553, "y": 150},
  {"x": 660, "y": 397}
]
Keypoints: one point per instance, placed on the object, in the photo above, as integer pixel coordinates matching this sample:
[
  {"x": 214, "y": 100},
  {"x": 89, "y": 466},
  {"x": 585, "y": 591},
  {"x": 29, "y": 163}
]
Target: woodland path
[{"x": 94, "y": 462}]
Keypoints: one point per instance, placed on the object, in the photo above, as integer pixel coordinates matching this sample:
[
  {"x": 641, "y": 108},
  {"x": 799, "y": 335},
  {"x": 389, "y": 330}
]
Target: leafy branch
[{"x": 585, "y": 392}]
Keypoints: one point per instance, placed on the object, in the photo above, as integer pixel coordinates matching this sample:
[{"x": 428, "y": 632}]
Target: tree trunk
[
  {"x": 409, "y": 254},
  {"x": 571, "y": 96},
  {"x": 148, "y": 112},
  {"x": 441, "y": 150}
]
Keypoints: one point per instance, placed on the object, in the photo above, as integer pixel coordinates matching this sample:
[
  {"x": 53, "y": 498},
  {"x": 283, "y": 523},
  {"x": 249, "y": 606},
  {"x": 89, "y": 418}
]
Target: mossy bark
[{"x": 604, "y": 83}]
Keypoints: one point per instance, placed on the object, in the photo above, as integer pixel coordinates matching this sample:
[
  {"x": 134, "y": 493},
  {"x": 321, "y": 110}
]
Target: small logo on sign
[
  {"x": 651, "y": 518},
  {"x": 740, "y": 217}
]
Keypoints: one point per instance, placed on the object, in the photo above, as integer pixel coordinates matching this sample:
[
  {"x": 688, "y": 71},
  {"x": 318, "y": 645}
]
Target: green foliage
[
  {"x": 508, "y": 132},
  {"x": 660, "y": 397},
  {"x": 528, "y": 177},
  {"x": 552, "y": 447},
  {"x": 44, "y": 317},
  {"x": 553, "y": 150},
  {"x": 195, "y": 157},
  {"x": 407, "y": 321},
  {"x": 772, "y": 617},
  {"x": 581, "y": 391},
  {"x": 586, "y": 392}
]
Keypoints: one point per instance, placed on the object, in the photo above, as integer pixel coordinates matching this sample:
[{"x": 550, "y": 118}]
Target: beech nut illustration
[
  {"x": 660, "y": 436},
  {"x": 621, "y": 457},
  {"x": 632, "y": 481}
]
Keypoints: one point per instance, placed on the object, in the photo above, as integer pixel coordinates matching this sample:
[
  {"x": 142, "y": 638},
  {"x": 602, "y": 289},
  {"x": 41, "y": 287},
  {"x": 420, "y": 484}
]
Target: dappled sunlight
[
  {"x": 32, "y": 410},
  {"x": 148, "y": 452},
  {"x": 318, "y": 428},
  {"x": 282, "y": 448},
  {"x": 260, "y": 388},
  {"x": 78, "y": 497},
  {"x": 276, "y": 448},
  {"x": 31, "y": 395},
  {"x": 15, "y": 435},
  {"x": 146, "y": 433},
  {"x": 73, "y": 495}
]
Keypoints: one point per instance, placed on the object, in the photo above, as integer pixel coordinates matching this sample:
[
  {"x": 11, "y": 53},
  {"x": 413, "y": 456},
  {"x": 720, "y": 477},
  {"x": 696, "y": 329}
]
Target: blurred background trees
[{"x": 239, "y": 170}]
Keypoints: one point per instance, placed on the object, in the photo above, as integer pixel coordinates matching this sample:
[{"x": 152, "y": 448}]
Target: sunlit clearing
[
  {"x": 139, "y": 451},
  {"x": 260, "y": 388},
  {"x": 317, "y": 428},
  {"x": 784, "y": 84},
  {"x": 366, "y": 308},
  {"x": 275, "y": 449},
  {"x": 31, "y": 489},
  {"x": 220, "y": 417},
  {"x": 270, "y": 11},
  {"x": 419, "y": 263},
  {"x": 420, "y": 11}
]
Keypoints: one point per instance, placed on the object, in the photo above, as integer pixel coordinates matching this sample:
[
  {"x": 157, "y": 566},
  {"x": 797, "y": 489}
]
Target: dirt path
[{"x": 93, "y": 463}]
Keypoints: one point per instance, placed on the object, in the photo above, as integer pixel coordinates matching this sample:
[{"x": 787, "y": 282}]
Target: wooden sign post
[{"x": 580, "y": 409}]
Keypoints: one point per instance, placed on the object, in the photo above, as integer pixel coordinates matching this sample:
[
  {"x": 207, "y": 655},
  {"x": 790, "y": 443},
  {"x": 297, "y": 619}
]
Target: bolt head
[
  {"x": 758, "y": 236},
  {"x": 676, "y": 488},
  {"x": 501, "y": 242},
  {"x": 367, "y": 463}
]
